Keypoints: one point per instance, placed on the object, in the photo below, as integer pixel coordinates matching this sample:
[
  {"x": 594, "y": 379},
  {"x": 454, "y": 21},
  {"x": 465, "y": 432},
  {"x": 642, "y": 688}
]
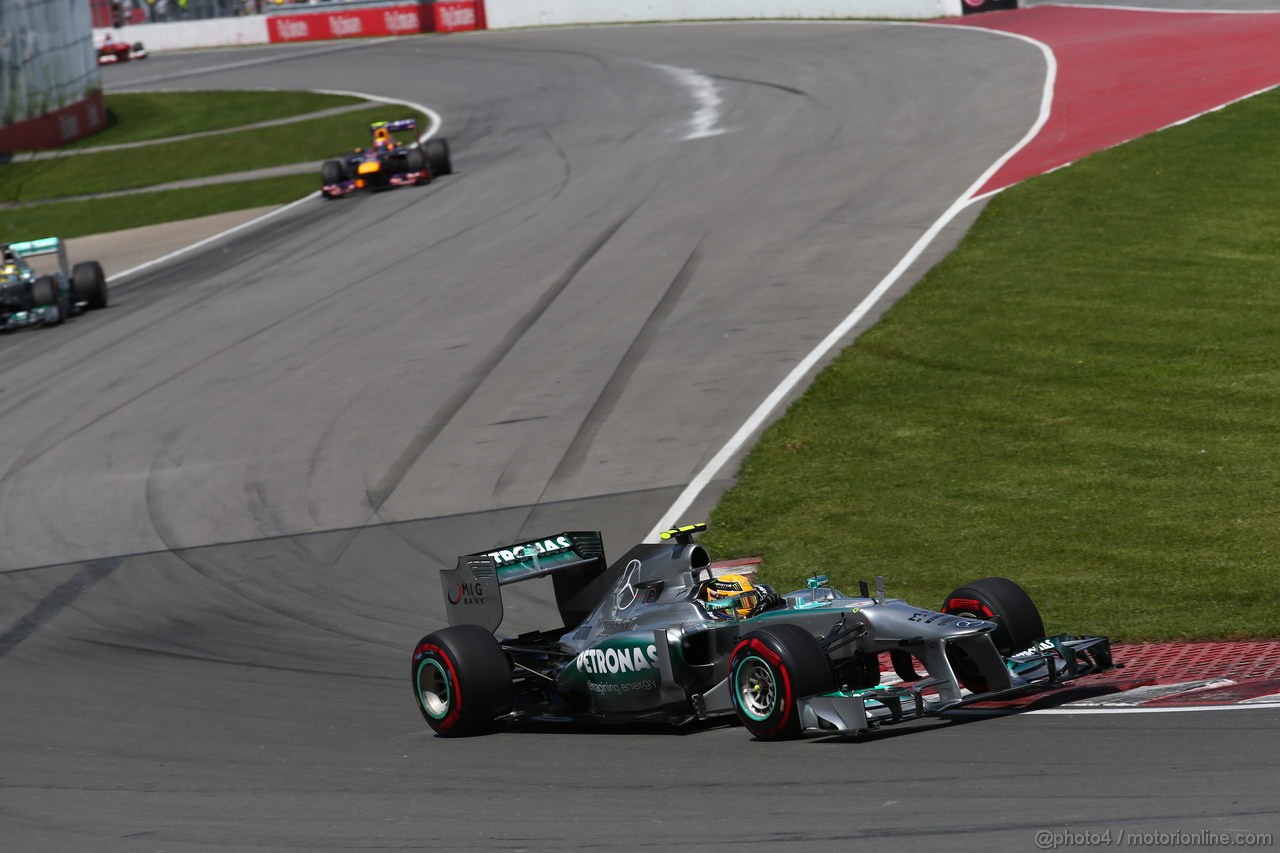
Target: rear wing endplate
[{"x": 574, "y": 560}]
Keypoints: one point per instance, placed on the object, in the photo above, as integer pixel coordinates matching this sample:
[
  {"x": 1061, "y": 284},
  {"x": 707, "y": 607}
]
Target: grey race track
[{"x": 225, "y": 499}]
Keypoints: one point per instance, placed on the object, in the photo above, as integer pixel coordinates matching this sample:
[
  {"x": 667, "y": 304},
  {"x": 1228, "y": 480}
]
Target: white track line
[
  {"x": 436, "y": 122},
  {"x": 700, "y": 481},
  {"x": 801, "y": 370},
  {"x": 1066, "y": 711}
]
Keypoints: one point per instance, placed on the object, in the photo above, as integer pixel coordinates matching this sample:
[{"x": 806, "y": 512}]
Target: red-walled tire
[
  {"x": 461, "y": 680},
  {"x": 770, "y": 669},
  {"x": 1004, "y": 602}
]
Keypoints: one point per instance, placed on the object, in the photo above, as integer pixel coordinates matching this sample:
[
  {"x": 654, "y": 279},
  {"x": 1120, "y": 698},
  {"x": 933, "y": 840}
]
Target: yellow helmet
[{"x": 730, "y": 586}]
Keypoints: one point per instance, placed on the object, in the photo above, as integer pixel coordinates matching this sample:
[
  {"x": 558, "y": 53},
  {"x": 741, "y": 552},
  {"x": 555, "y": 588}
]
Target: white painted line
[
  {"x": 700, "y": 481},
  {"x": 1139, "y": 695},
  {"x": 709, "y": 471},
  {"x": 1067, "y": 712},
  {"x": 436, "y": 122}
]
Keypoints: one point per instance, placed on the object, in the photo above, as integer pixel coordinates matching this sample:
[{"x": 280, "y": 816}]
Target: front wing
[
  {"x": 1050, "y": 662},
  {"x": 398, "y": 179}
]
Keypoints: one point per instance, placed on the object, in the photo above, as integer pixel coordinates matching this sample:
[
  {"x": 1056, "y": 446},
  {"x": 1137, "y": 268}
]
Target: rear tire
[
  {"x": 437, "y": 152},
  {"x": 89, "y": 284},
  {"x": 44, "y": 294},
  {"x": 1004, "y": 602},
  {"x": 416, "y": 161},
  {"x": 770, "y": 669},
  {"x": 461, "y": 680}
]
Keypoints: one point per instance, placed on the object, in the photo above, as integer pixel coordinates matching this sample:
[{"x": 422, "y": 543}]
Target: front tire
[
  {"x": 770, "y": 669},
  {"x": 332, "y": 172},
  {"x": 461, "y": 680},
  {"x": 437, "y": 151},
  {"x": 1004, "y": 602},
  {"x": 89, "y": 284}
]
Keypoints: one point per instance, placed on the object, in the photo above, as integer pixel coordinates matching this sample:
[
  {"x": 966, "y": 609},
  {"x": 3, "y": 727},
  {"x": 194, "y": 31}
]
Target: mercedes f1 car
[
  {"x": 29, "y": 298},
  {"x": 661, "y": 635},
  {"x": 111, "y": 51},
  {"x": 386, "y": 162}
]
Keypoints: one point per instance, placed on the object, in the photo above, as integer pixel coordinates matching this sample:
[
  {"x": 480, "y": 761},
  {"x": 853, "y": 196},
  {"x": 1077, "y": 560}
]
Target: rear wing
[
  {"x": 395, "y": 126},
  {"x": 44, "y": 246},
  {"x": 574, "y": 560}
]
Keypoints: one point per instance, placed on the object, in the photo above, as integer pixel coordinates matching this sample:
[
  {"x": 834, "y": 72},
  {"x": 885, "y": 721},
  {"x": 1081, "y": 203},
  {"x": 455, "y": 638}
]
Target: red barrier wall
[
  {"x": 56, "y": 128},
  {"x": 395, "y": 19}
]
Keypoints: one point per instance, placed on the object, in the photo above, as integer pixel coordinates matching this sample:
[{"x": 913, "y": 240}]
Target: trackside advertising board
[{"x": 397, "y": 19}]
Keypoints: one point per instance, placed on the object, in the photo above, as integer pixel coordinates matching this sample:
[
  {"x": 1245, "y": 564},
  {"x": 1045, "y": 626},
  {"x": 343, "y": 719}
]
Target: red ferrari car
[{"x": 110, "y": 50}]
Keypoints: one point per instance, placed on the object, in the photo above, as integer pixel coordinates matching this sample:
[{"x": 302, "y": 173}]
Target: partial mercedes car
[
  {"x": 386, "y": 163},
  {"x": 30, "y": 298},
  {"x": 662, "y": 634}
]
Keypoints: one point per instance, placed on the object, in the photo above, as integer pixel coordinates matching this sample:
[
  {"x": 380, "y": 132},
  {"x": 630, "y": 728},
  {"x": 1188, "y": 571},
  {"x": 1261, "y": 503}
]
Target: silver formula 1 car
[
  {"x": 663, "y": 635},
  {"x": 30, "y": 298}
]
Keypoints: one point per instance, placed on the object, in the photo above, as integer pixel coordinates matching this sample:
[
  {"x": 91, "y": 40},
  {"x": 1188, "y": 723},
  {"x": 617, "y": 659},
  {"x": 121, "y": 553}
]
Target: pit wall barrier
[{"x": 352, "y": 19}]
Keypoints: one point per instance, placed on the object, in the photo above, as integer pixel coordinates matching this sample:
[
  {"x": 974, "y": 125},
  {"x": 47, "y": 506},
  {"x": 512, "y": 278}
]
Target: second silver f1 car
[
  {"x": 661, "y": 635},
  {"x": 29, "y": 298}
]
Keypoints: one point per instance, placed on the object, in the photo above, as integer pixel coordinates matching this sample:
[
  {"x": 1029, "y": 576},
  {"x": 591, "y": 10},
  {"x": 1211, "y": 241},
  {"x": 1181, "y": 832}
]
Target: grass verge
[
  {"x": 70, "y": 219},
  {"x": 162, "y": 162},
  {"x": 1084, "y": 397},
  {"x": 143, "y": 116}
]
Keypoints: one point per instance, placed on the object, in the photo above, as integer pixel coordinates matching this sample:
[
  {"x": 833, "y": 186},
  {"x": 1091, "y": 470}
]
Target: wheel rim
[
  {"x": 434, "y": 691},
  {"x": 756, "y": 688}
]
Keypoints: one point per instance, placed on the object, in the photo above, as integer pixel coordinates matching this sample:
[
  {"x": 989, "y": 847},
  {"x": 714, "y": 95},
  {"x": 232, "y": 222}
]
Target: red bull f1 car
[
  {"x": 29, "y": 298},
  {"x": 662, "y": 635},
  {"x": 386, "y": 162}
]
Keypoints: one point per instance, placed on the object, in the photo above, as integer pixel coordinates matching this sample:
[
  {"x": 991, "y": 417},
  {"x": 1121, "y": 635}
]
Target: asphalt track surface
[{"x": 232, "y": 490}]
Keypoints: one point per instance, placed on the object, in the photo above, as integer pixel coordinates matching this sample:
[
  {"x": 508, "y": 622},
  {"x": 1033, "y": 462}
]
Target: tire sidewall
[
  {"x": 1005, "y": 603},
  {"x": 431, "y": 654},
  {"x": 476, "y": 673},
  {"x": 89, "y": 284},
  {"x": 797, "y": 668}
]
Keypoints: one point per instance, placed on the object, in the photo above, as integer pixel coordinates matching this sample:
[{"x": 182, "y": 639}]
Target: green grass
[
  {"x": 70, "y": 219},
  {"x": 310, "y": 140},
  {"x": 138, "y": 117},
  {"x": 151, "y": 116},
  {"x": 1084, "y": 397}
]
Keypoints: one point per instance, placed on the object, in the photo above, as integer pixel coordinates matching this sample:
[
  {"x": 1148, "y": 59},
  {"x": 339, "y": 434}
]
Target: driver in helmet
[
  {"x": 382, "y": 140},
  {"x": 749, "y": 599}
]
